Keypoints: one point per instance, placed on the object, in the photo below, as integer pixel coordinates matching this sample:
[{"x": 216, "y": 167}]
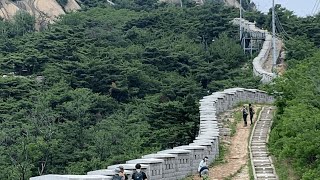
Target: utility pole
[
  {"x": 240, "y": 21},
  {"x": 274, "y": 39}
]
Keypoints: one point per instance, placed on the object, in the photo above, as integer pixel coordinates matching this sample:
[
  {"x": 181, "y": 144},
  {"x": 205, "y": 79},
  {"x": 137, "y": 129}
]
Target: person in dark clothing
[
  {"x": 244, "y": 114},
  {"x": 138, "y": 174},
  {"x": 117, "y": 175},
  {"x": 123, "y": 173},
  {"x": 251, "y": 112}
]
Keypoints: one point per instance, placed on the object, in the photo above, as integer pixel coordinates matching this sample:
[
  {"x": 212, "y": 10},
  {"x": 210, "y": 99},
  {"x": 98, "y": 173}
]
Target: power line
[
  {"x": 281, "y": 29},
  {"x": 280, "y": 24},
  {"x": 315, "y": 8},
  {"x": 274, "y": 58}
]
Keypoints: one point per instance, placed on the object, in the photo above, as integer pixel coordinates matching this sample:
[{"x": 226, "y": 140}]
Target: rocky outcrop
[
  {"x": 232, "y": 3},
  {"x": 71, "y": 6},
  {"x": 45, "y": 11},
  {"x": 198, "y": 2},
  {"x": 7, "y": 9}
]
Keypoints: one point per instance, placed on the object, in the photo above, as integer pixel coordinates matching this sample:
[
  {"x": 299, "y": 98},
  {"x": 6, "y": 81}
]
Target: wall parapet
[
  {"x": 181, "y": 161},
  {"x": 262, "y": 57}
]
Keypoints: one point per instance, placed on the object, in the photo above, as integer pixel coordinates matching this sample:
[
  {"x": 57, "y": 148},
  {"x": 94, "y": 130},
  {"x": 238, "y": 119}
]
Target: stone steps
[{"x": 261, "y": 162}]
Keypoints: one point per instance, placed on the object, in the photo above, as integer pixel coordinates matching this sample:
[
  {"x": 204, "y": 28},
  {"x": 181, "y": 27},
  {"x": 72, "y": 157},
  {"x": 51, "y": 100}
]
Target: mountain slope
[
  {"x": 114, "y": 80},
  {"x": 44, "y": 11}
]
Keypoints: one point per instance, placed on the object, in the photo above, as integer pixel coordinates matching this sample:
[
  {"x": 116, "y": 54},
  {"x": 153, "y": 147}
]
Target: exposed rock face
[
  {"x": 201, "y": 2},
  {"x": 71, "y": 6},
  {"x": 7, "y": 9},
  {"x": 45, "y": 11},
  {"x": 233, "y": 3}
]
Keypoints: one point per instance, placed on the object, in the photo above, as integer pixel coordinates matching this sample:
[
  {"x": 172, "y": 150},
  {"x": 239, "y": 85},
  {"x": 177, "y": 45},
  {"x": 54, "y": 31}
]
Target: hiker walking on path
[
  {"x": 244, "y": 114},
  {"x": 251, "y": 112},
  {"x": 138, "y": 174},
  {"x": 203, "y": 166}
]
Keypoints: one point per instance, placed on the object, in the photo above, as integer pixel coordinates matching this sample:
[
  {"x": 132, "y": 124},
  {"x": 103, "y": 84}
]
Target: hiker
[
  {"x": 245, "y": 114},
  {"x": 138, "y": 174},
  {"x": 203, "y": 166},
  {"x": 118, "y": 175},
  {"x": 251, "y": 112},
  {"x": 123, "y": 174}
]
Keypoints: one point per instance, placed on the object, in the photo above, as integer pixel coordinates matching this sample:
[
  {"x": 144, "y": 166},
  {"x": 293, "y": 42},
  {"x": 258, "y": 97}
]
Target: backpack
[
  {"x": 138, "y": 175},
  {"x": 244, "y": 111},
  {"x": 116, "y": 177},
  {"x": 251, "y": 110}
]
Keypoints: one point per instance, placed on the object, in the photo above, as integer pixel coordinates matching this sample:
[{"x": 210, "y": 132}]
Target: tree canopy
[
  {"x": 108, "y": 84},
  {"x": 295, "y": 136}
]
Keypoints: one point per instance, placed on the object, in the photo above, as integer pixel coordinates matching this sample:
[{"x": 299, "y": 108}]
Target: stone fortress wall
[
  {"x": 181, "y": 161},
  {"x": 265, "y": 51}
]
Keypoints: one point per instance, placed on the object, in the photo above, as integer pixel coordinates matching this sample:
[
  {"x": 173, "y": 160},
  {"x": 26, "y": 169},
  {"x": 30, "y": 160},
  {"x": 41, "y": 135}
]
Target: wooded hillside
[
  {"x": 118, "y": 83},
  {"x": 295, "y": 135}
]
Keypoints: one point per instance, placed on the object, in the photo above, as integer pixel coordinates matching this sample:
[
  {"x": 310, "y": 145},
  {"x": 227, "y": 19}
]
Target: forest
[
  {"x": 108, "y": 84},
  {"x": 294, "y": 139},
  {"x": 111, "y": 83},
  {"x": 295, "y": 135}
]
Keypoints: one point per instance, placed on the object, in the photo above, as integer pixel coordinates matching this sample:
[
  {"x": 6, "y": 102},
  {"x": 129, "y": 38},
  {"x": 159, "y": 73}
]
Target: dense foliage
[
  {"x": 108, "y": 84},
  {"x": 22, "y": 23},
  {"x": 295, "y": 136}
]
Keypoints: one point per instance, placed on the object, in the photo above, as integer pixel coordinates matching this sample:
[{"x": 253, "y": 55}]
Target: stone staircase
[{"x": 262, "y": 166}]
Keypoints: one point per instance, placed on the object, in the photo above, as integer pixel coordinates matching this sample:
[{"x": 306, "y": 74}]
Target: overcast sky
[{"x": 300, "y": 7}]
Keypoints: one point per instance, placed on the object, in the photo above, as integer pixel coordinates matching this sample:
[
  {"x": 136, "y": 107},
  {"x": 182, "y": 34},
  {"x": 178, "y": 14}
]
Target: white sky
[{"x": 300, "y": 7}]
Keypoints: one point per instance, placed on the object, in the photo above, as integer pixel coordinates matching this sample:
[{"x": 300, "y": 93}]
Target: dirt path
[
  {"x": 267, "y": 66},
  {"x": 237, "y": 158},
  {"x": 243, "y": 175}
]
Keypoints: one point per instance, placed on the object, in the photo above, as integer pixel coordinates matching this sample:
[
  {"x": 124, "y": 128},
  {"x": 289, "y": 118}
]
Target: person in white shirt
[{"x": 203, "y": 165}]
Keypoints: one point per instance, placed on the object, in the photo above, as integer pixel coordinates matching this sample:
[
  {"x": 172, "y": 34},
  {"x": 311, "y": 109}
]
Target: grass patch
[
  {"x": 241, "y": 103},
  {"x": 233, "y": 125},
  {"x": 187, "y": 178},
  {"x": 231, "y": 176},
  {"x": 223, "y": 150},
  {"x": 191, "y": 178},
  {"x": 284, "y": 170},
  {"x": 233, "y": 129},
  {"x": 250, "y": 170}
]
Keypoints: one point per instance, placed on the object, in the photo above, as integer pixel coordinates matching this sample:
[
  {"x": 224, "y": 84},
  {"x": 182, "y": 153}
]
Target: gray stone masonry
[
  {"x": 179, "y": 162},
  {"x": 261, "y": 161}
]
